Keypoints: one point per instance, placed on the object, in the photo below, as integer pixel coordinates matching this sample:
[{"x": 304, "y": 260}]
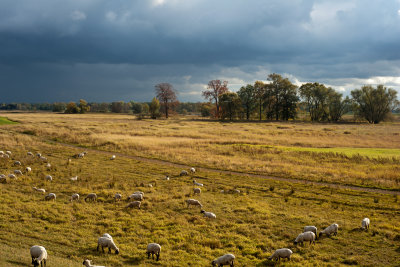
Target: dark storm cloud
[{"x": 110, "y": 50}]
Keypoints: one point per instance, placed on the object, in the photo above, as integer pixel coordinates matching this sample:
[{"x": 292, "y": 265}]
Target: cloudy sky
[{"x": 101, "y": 50}]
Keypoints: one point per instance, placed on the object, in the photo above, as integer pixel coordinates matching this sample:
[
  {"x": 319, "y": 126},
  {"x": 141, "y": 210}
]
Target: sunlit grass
[{"x": 4, "y": 121}]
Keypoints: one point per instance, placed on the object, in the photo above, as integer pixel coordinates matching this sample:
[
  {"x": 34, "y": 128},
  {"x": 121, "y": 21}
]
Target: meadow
[{"x": 265, "y": 216}]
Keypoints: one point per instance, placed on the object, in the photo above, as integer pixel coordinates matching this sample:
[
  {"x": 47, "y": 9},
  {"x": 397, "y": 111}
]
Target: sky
[{"x": 103, "y": 51}]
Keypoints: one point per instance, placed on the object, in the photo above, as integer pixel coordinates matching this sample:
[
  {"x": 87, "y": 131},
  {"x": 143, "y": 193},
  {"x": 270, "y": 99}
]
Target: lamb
[
  {"x": 50, "y": 196},
  {"x": 39, "y": 255},
  {"x": 365, "y": 224},
  {"x": 153, "y": 248},
  {"x": 41, "y": 190},
  {"x": 136, "y": 196},
  {"x": 208, "y": 214},
  {"x": 193, "y": 202},
  {"x": 134, "y": 204},
  {"x": 281, "y": 253},
  {"x": 331, "y": 229},
  {"x": 91, "y": 196},
  {"x": 192, "y": 170},
  {"x": 112, "y": 157},
  {"x": 17, "y": 163},
  {"x": 196, "y": 191},
  {"x": 28, "y": 169},
  {"x": 183, "y": 173},
  {"x": 18, "y": 172},
  {"x": 306, "y": 236},
  {"x": 88, "y": 263},
  {"x": 196, "y": 183},
  {"x": 12, "y": 176},
  {"x": 75, "y": 178},
  {"x": 48, "y": 178},
  {"x": 117, "y": 197},
  {"x": 8, "y": 152},
  {"x": 311, "y": 229},
  {"x": 74, "y": 197},
  {"x": 104, "y": 241},
  {"x": 227, "y": 259}
]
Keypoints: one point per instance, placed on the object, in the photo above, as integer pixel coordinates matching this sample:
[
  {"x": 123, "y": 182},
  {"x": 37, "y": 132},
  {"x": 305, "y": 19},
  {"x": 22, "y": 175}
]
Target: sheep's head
[
  {"x": 86, "y": 262},
  {"x": 320, "y": 234},
  {"x": 213, "y": 263},
  {"x": 35, "y": 262},
  {"x": 202, "y": 211},
  {"x": 117, "y": 251},
  {"x": 295, "y": 242}
]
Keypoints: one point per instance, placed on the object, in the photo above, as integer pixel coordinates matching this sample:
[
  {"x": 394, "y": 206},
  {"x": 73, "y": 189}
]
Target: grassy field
[
  {"x": 4, "y": 121},
  {"x": 267, "y": 215}
]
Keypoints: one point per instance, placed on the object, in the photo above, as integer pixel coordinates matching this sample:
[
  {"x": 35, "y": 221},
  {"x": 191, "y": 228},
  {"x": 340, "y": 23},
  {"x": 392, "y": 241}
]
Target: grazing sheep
[
  {"x": 1, "y": 152},
  {"x": 75, "y": 178},
  {"x": 8, "y": 152},
  {"x": 41, "y": 190},
  {"x": 192, "y": 170},
  {"x": 38, "y": 155},
  {"x": 196, "y": 191},
  {"x": 365, "y": 224},
  {"x": 17, "y": 163},
  {"x": 134, "y": 204},
  {"x": 18, "y": 172},
  {"x": 112, "y": 157},
  {"x": 234, "y": 191},
  {"x": 29, "y": 154},
  {"x": 12, "y": 176},
  {"x": 306, "y": 236},
  {"x": 48, "y": 178},
  {"x": 107, "y": 235},
  {"x": 48, "y": 165},
  {"x": 139, "y": 192},
  {"x": 166, "y": 178},
  {"x": 117, "y": 197},
  {"x": 91, "y": 196},
  {"x": 44, "y": 159},
  {"x": 28, "y": 169},
  {"x": 5, "y": 156},
  {"x": 331, "y": 229},
  {"x": 196, "y": 183},
  {"x": 104, "y": 241},
  {"x": 183, "y": 173},
  {"x": 39, "y": 255},
  {"x": 75, "y": 197},
  {"x": 281, "y": 253},
  {"x": 88, "y": 263},
  {"x": 227, "y": 259},
  {"x": 50, "y": 196},
  {"x": 153, "y": 248},
  {"x": 193, "y": 202},
  {"x": 311, "y": 229},
  {"x": 2, "y": 176},
  {"x": 208, "y": 214},
  {"x": 136, "y": 196},
  {"x": 150, "y": 185}
]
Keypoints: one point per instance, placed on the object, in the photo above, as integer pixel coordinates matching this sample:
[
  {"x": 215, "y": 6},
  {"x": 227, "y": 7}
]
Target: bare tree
[
  {"x": 214, "y": 90},
  {"x": 165, "y": 92}
]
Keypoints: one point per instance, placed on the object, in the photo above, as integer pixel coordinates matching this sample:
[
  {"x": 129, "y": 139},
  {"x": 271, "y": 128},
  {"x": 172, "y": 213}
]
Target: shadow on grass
[
  {"x": 133, "y": 260},
  {"x": 20, "y": 263}
]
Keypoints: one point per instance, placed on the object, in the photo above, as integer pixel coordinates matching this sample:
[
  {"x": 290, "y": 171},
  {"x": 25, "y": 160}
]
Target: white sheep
[
  {"x": 196, "y": 191},
  {"x": 50, "y": 196},
  {"x": 134, "y": 204},
  {"x": 136, "y": 196},
  {"x": 112, "y": 157},
  {"x": 153, "y": 248},
  {"x": 208, "y": 214},
  {"x": 193, "y": 202},
  {"x": 48, "y": 178},
  {"x": 166, "y": 178},
  {"x": 310, "y": 228},
  {"x": 88, "y": 263},
  {"x": 75, "y": 178},
  {"x": 331, "y": 229},
  {"x": 196, "y": 183},
  {"x": 105, "y": 242},
  {"x": 281, "y": 253},
  {"x": 5, "y": 156},
  {"x": 28, "y": 169},
  {"x": 17, "y": 163},
  {"x": 139, "y": 192},
  {"x": 41, "y": 190},
  {"x": 365, "y": 224},
  {"x": 48, "y": 165},
  {"x": 183, "y": 173},
  {"x": 8, "y": 152},
  {"x": 29, "y": 154},
  {"x": 91, "y": 196},
  {"x": 38, "y": 155},
  {"x": 108, "y": 235},
  {"x": 18, "y": 172},
  {"x": 192, "y": 170},
  {"x": 117, "y": 197},
  {"x": 306, "y": 236},
  {"x": 74, "y": 197},
  {"x": 39, "y": 255},
  {"x": 1, "y": 152},
  {"x": 44, "y": 159},
  {"x": 227, "y": 259},
  {"x": 12, "y": 176}
]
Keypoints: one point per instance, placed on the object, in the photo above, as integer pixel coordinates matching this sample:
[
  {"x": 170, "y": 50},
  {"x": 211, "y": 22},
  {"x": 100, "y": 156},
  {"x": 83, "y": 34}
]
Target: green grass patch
[{"x": 4, "y": 121}]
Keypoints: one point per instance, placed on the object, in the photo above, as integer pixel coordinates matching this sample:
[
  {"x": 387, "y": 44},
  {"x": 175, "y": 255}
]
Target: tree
[
  {"x": 137, "y": 108},
  {"x": 230, "y": 105},
  {"x": 72, "y": 108},
  {"x": 246, "y": 95},
  {"x": 214, "y": 90},
  {"x": 59, "y": 107},
  {"x": 374, "y": 104},
  {"x": 337, "y": 105},
  {"x": 284, "y": 94},
  {"x": 165, "y": 92},
  {"x": 259, "y": 92},
  {"x": 316, "y": 97},
  {"x": 83, "y": 106},
  {"x": 205, "y": 109},
  {"x": 154, "y": 108}
]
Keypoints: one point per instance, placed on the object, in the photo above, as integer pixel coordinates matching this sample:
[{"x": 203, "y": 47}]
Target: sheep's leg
[
  {"x": 148, "y": 255},
  {"x": 232, "y": 264},
  {"x": 158, "y": 255},
  {"x": 152, "y": 255},
  {"x": 44, "y": 262},
  {"x": 102, "y": 249},
  {"x": 97, "y": 249},
  {"x": 109, "y": 250}
]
